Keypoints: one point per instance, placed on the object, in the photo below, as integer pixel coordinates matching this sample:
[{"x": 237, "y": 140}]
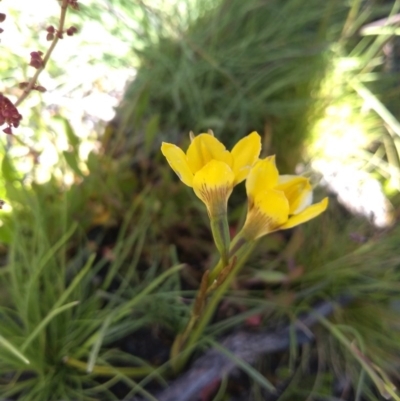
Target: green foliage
[
  {"x": 358, "y": 126},
  {"x": 62, "y": 302},
  {"x": 66, "y": 300},
  {"x": 325, "y": 259},
  {"x": 241, "y": 66}
]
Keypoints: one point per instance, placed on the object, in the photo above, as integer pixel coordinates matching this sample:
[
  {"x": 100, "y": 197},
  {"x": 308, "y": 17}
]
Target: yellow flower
[
  {"x": 212, "y": 170},
  {"x": 277, "y": 202}
]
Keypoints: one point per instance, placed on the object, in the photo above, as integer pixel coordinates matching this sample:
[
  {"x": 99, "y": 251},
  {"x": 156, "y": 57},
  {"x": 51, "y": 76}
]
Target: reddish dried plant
[
  {"x": 36, "y": 59},
  {"x": 9, "y": 114},
  {"x": 51, "y": 32}
]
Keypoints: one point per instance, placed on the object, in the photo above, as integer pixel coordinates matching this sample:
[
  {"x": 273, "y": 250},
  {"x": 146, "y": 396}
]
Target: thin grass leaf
[
  {"x": 251, "y": 372},
  {"x": 378, "y": 106},
  {"x": 124, "y": 249},
  {"x": 13, "y": 350},
  {"x": 46, "y": 321},
  {"x": 96, "y": 346},
  {"x": 222, "y": 389},
  {"x": 127, "y": 307},
  {"x": 361, "y": 385},
  {"x": 64, "y": 296},
  {"x": 109, "y": 370},
  {"x": 384, "y": 388},
  {"x": 138, "y": 388}
]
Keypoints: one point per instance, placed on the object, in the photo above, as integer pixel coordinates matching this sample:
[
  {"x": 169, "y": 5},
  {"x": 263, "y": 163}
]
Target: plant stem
[
  {"x": 220, "y": 231},
  {"x": 46, "y": 58},
  {"x": 237, "y": 243},
  {"x": 195, "y": 329}
]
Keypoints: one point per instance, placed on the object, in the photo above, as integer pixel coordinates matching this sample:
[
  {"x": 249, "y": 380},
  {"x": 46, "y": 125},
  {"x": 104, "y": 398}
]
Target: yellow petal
[
  {"x": 203, "y": 149},
  {"x": 263, "y": 175},
  {"x": 284, "y": 178},
  {"x": 273, "y": 204},
  {"x": 178, "y": 162},
  {"x": 308, "y": 214},
  {"x": 297, "y": 190},
  {"x": 268, "y": 211},
  {"x": 245, "y": 153},
  {"x": 213, "y": 184}
]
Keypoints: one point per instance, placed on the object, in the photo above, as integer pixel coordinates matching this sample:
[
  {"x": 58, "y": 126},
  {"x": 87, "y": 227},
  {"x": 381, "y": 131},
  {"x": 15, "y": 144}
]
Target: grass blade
[{"x": 7, "y": 345}]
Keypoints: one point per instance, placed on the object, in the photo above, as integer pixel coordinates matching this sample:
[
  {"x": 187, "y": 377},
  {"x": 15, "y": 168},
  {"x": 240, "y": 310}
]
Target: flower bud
[
  {"x": 36, "y": 59},
  {"x": 35, "y": 63},
  {"x": 70, "y": 31},
  {"x": 73, "y": 4},
  {"x": 40, "y": 88}
]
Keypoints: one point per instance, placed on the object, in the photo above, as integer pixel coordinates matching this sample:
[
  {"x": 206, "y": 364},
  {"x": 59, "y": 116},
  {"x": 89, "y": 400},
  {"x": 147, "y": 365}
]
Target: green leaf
[
  {"x": 273, "y": 277},
  {"x": 73, "y": 139},
  {"x": 39, "y": 328},
  {"x": 152, "y": 127},
  {"x": 252, "y": 373},
  {"x": 7, "y": 345},
  {"x": 8, "y": 170},
  {"x": 6, "y": 233},
  {"x": 93, "y": 162},
  {"x": 72, "y": 161}
]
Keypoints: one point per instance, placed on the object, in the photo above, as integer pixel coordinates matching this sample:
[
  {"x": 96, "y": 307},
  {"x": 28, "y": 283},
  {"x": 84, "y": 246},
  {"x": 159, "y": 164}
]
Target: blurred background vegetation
[{"x": 98, "y": 265}]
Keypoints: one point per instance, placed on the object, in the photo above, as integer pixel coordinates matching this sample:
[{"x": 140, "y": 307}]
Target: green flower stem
[
  {"x": 220, "y": 231},
  {"x": 197, "y": 310},
  {"x": 238, "y": 242},
  {"x": 197, "y": 330}
]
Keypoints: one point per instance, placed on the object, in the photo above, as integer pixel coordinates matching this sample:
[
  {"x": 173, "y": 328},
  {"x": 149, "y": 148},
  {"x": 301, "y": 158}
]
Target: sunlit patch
[
  {"x": 349, "y": 147},
  {"x": 6, "y": 207},
  {"x": 83, "y": 92},
  {"x": 361, "y": 193}
]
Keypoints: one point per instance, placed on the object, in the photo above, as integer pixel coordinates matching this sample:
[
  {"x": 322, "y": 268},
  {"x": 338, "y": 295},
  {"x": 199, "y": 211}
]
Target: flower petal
[
  {"x": 263, "y": 175},
  {"x": 213, "y": 184},
  {"x": 284, "y": 178},
  {"x": 297, "y": 190},
  {"x": 178, "y": 162},
  {"x": 274, "y": 204},
  {"x": 245, "y": 153},
  {"x": 203, "y": 149},
  {"x": 308, "y": 214},
  {"x": 267, "y": 212}
]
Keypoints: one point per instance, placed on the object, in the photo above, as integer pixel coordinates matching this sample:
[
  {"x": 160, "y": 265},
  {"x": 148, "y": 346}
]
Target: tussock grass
[
  {"x": 63, "y": 304},
  {"x": 239, "y": 67}
]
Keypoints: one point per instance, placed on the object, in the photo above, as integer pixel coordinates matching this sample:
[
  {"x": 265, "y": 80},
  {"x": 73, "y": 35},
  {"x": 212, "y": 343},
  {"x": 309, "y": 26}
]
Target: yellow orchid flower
[
  {"x": 212, "y": 170},
  {"x": 277, "y": 202}
]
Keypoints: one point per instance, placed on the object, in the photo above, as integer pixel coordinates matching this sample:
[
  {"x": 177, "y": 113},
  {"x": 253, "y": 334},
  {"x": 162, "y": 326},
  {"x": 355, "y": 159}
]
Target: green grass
[
  {"x": 360, "y": 342},
  {"x": 241, "y": 66},
  {"x": 62, "y": 302},
  {"x": 66, "y": 302},
  {"x": 88, "y": 265}
]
